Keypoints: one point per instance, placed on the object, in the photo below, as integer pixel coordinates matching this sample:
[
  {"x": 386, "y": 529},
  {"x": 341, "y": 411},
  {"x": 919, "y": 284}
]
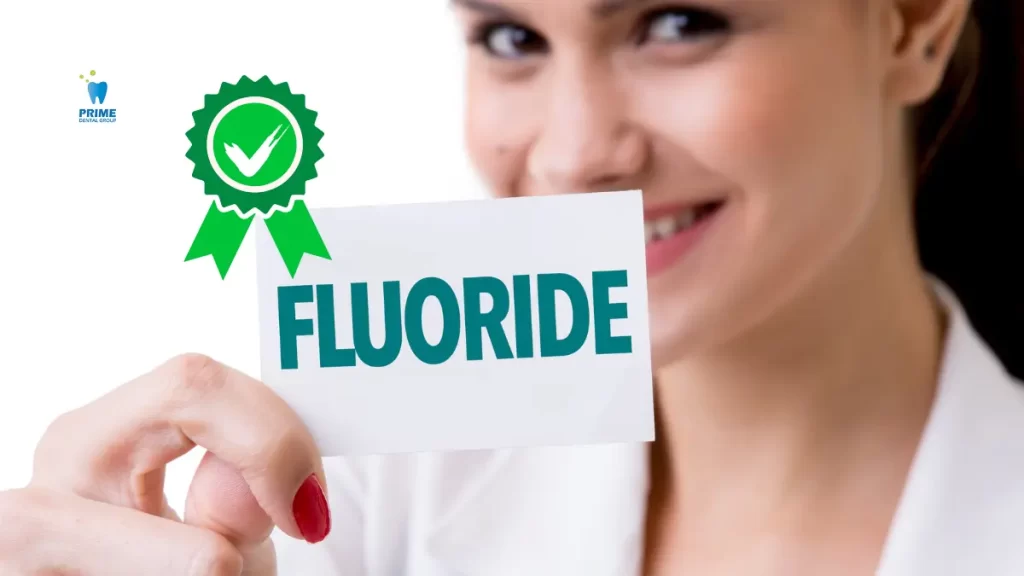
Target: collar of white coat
[{"x": 581, "y": 510}]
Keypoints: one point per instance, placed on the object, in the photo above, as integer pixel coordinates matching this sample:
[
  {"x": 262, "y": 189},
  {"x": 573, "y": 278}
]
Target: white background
[{"x": 97, "y": 218}]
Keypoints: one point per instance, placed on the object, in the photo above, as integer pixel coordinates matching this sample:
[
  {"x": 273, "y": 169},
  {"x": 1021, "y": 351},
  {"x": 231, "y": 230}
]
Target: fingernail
[{"x": 311, "y": 512}]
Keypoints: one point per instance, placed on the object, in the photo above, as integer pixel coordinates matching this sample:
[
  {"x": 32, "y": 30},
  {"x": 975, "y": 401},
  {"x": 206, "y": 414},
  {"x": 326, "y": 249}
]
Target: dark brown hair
[{"x": 970, "y": 189}]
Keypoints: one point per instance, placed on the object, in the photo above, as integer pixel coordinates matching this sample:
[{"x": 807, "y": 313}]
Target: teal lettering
[
  {"x": 367, "y": 352},
  {"x": 524, "y": 316},
  {"x": 478, "y": 322},
  {"x": 605, "y": 311},
  {"x": 330, "y": 355},
  {"x": 510, "y": 305},
  {"x": 450, "y": 319},
  {"x": 290, "y": 327},
  {"x": 547, "y": 285}
]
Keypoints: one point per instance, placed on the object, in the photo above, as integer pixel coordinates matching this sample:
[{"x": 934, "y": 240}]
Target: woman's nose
[{"x": 587, "y": 142}]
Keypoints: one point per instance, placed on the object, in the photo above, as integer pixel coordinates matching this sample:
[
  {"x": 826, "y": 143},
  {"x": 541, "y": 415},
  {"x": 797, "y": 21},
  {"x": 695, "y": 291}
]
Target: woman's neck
[{"x": 816, "y": 412}]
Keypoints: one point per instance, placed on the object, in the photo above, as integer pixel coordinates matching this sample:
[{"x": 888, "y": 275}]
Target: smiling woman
[{"x": 799, "y": 162}]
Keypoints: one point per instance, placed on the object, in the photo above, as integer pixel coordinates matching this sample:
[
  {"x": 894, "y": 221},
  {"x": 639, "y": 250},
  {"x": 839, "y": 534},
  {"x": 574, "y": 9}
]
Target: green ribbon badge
[{"x": 254, "y": 146}]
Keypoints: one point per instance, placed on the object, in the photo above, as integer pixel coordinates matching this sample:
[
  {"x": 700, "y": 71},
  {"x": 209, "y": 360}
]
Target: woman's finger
[
  {"x": 219, "y": 499},
  {"x": 114, "y": 450},
  {"x": 259, "y": 560},
  {"x": 47, "y": 532}
]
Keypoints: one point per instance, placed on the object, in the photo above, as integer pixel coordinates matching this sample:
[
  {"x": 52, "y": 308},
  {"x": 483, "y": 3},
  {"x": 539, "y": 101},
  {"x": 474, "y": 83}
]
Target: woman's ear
[{"x": 924, "y": 35}]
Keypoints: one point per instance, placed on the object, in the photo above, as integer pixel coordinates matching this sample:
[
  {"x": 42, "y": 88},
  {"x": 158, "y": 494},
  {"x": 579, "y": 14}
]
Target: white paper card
[{"x": 484, "y": 347}]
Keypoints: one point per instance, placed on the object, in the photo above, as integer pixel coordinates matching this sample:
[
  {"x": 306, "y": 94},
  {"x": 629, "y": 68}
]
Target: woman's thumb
[{"x": 220, "y": 500}]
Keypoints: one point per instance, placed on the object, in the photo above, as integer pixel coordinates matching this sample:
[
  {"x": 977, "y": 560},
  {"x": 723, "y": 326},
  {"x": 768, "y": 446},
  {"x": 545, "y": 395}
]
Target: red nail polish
[{"x": 311, "y": 512}]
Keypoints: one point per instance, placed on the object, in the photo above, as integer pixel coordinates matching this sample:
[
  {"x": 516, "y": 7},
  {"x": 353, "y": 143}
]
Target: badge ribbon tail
[
  {"x": 295, "y": 234},
  {"x": 220, "y": 235}
]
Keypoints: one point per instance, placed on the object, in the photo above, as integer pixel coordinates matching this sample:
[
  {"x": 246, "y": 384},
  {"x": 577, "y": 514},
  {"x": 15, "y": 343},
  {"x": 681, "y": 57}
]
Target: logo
[
  {"x": 266, "y": 128},
  {"x": 255, "y": 145},
  {"x": 97, "y": 92}
]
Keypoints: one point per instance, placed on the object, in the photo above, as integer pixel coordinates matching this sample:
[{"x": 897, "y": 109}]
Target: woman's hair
[{"x": 970, "y": 182}]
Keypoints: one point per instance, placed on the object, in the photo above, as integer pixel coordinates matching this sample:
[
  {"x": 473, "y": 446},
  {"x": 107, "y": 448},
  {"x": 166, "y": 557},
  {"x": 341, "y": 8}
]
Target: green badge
[{"x": 254, "y": 146}]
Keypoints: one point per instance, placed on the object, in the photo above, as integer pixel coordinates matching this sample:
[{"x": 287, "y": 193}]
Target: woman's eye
[
  {"x": 682, "y": 25},
  {"x": 510, "y": 41}
]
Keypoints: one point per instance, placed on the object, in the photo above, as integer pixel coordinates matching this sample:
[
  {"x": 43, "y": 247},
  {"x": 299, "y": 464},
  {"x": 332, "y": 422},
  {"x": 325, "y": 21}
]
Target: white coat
[{"x": 580, "y": 510}]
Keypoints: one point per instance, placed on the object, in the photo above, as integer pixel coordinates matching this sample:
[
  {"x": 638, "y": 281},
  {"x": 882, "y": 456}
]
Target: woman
[{"x": 825, "y": 404}]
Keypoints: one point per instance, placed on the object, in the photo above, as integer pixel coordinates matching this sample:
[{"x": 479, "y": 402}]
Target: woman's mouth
[{"x": 670, "y": 233}]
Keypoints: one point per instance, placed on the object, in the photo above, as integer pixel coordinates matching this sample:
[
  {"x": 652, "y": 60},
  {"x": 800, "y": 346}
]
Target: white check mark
[{"x": 250, "y": 165}]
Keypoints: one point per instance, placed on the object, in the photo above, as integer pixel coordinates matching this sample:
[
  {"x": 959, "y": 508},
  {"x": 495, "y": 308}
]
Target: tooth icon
[{"x": 97, "y": 91}]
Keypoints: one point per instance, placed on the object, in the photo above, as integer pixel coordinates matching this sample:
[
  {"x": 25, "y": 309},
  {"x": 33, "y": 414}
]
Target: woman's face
[{"x": 755, "y": 129}]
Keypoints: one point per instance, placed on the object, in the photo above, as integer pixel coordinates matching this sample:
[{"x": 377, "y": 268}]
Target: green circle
[
  {"x": 250, "y": 130},
  {"x": 92, "y": 72}
]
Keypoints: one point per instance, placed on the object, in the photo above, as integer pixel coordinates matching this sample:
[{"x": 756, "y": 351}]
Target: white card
[{"x": 450, "y": 379}]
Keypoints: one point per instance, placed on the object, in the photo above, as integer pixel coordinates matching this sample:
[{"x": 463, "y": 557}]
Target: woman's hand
[{"x": 96, "y": 505}]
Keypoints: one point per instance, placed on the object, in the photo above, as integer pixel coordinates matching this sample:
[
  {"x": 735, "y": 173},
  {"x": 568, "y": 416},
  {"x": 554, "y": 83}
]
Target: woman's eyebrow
[
  {"x": 600, "y": 9},
  {"x": 488, "y": 8}
]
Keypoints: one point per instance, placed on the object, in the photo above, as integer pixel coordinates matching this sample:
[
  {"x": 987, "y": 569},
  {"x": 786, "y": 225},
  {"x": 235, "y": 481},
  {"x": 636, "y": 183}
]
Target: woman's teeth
[{"x": 669, "y": 225}]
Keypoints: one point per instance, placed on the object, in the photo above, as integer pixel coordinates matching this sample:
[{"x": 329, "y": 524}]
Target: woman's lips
[{"x": 671, "y": 233}]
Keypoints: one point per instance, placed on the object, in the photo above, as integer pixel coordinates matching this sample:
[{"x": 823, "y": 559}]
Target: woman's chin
[
  {"x": 671, "y": 346},
  {"x": 678, "y": 333}
]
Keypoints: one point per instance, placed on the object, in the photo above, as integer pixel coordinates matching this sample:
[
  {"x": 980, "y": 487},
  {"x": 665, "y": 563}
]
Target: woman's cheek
[
  {"x": 764, "y": 127},
  {"x": 742, "y": 118},
  {"x": 501, "y": 121}
]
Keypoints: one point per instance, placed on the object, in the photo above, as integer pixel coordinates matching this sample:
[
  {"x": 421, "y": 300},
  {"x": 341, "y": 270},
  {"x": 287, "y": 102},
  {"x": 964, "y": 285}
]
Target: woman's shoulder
[
  {"x": 974, "y": 384},
  {"x": 962, "y": 510}
]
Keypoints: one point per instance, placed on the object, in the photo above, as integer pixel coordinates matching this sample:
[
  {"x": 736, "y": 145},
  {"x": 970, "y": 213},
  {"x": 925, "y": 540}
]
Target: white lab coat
[{"x": 580, "y": 510}]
